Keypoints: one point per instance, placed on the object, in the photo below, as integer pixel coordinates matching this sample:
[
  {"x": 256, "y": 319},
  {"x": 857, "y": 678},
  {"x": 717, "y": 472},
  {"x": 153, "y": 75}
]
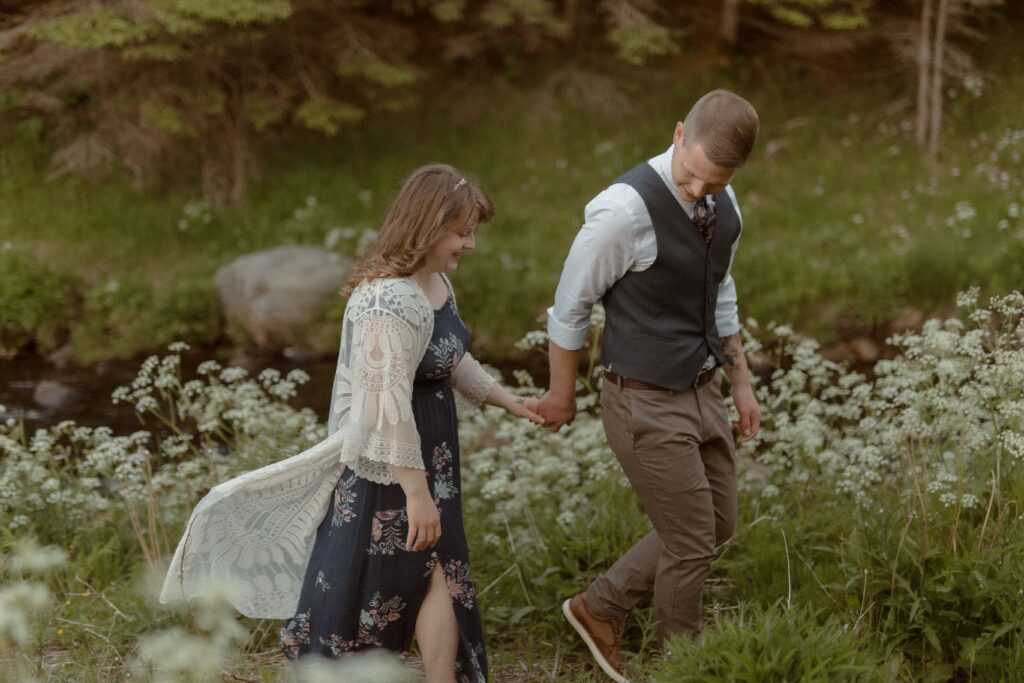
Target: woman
[{"x": 359, "y": 540}]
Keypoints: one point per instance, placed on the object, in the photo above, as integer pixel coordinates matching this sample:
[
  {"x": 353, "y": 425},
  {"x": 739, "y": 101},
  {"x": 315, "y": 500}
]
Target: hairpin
[{"x": 462, "y": 181}]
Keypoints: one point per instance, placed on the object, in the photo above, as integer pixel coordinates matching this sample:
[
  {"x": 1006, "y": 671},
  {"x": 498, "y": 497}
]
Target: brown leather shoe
[{"x": 602, "y": 636}]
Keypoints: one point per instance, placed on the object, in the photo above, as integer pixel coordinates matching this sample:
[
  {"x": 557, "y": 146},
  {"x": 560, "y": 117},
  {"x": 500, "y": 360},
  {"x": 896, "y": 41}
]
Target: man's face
[{"x": 694, "y": 175}]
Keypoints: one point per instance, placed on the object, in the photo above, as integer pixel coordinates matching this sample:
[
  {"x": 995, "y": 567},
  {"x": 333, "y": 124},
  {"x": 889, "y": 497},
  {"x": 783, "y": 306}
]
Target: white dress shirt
[{"x": 617, "y": 237}]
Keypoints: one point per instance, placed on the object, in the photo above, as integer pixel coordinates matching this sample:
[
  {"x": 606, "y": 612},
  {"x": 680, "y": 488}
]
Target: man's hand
[
  {"x": 742, "y": 390},
  {"x": 749, "y": 423},
  {"x": 556, "y": 411}
]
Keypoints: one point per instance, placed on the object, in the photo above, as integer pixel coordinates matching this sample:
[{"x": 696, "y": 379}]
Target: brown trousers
[{"x": 677, "y": 451}]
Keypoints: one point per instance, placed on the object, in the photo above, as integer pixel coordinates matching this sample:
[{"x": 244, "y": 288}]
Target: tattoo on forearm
[{"x": 732, "y": 349}]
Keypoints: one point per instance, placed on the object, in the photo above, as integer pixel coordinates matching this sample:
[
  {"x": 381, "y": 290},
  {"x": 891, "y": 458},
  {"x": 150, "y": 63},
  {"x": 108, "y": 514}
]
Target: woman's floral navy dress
[{"x": 362, "y": 587}]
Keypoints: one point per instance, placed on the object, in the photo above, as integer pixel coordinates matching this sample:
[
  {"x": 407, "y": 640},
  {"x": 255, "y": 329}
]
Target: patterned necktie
[{"x": 704, "y": 218}]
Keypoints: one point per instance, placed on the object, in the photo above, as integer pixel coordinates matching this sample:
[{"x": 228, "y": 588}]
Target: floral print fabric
[{"x": 362, "y": 587}]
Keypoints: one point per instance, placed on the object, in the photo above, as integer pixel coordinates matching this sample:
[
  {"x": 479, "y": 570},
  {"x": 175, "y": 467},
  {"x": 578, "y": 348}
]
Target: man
[{"x": 656, "y": 248}]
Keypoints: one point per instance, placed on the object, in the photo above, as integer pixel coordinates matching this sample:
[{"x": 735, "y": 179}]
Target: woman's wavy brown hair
[{"x": 434, "y": 199}]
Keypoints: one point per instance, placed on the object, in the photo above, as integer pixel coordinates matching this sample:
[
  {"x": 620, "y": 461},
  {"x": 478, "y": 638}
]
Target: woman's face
[{"x": 445, "y": 255}]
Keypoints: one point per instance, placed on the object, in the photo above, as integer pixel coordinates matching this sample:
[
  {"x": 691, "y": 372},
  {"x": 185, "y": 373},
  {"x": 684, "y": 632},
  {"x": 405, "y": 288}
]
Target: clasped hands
[{"x": 558, "y": 411}]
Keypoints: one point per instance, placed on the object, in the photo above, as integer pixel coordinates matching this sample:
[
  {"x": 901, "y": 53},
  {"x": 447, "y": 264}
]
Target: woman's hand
[
  {"x": 424, "y": 521},
  {"x": 522, "y": 406}
]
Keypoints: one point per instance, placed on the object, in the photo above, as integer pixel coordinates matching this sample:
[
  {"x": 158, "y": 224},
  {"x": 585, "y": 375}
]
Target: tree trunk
[
  {"x": 924, "y": 63},
  {"x": 938, "y": 49},
  {"x": 730, "y": 21}
]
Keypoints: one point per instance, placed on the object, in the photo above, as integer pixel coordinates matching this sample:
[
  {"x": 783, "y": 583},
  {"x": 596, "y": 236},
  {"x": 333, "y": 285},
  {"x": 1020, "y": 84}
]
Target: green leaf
[
  {"x": 233, "y": 12},
  {"x": 520, "y": 613},
  {"x": 375, "y": 69},
  {"x": 161, "y": 52},
  {"x": 327, "y": 115},
  {"x": 637, "y": 43},
  {"x": 792, "y": 16},
  {"x": 262, "y": 111},
  {"x": 166, "y": 118},
  {"x": 845, "y": 22},
  {"x": 91, "y": 30}
]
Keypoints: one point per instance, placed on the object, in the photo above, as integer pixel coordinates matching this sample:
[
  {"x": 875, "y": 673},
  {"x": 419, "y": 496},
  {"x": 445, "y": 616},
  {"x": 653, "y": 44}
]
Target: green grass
[{"x": 845, "y": 221}]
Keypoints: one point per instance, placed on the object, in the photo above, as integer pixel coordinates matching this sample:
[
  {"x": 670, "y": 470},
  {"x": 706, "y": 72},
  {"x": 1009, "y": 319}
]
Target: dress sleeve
[
  {"x": 380, "y": 430},
  {"x": 471, "y": 380}
]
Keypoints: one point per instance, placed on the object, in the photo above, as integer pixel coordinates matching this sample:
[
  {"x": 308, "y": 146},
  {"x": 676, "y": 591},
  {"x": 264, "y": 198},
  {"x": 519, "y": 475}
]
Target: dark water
[{"x": 20, "y": 376}]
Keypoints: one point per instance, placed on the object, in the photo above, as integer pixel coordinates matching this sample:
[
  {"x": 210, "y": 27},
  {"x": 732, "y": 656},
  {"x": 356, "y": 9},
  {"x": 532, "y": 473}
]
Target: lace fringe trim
[
  {"x": 478, "y": 388},
  {"x": 375, "y": 456}
]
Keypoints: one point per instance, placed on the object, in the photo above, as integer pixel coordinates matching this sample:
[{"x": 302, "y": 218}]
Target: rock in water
[
  {"x": 53, "y": 395},
  {"x": 273, "y": 294},
  {"x": 865, "y": 349}
]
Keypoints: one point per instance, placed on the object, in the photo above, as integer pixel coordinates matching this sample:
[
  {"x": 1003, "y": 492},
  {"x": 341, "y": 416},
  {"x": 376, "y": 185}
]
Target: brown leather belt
[
  {"x": 703, "y": 377},
  {"x": 630, "y": 383}
]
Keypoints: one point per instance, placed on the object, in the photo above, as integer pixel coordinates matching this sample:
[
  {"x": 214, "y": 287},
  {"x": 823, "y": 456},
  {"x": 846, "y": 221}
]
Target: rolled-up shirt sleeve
[{"x": 603, "y": 251}]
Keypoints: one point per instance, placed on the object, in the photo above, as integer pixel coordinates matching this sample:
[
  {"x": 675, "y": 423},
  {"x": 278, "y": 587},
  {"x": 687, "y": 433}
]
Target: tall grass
[{"x": 880, "y": 542}]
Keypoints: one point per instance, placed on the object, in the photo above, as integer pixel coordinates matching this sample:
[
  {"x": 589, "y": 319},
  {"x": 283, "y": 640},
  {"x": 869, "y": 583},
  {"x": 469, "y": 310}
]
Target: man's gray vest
[{"x": 660, "y": 323}]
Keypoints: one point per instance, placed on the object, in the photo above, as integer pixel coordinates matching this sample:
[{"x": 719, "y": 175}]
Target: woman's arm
[{"x": 520, "y": 406}]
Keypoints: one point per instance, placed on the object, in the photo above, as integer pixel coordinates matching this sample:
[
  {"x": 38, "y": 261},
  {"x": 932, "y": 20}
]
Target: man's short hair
[{"x": 725, "y": 125}]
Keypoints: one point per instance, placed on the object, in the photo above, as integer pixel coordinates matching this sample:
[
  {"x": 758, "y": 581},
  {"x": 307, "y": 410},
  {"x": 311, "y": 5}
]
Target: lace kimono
[{"x": 255, "y": 533}]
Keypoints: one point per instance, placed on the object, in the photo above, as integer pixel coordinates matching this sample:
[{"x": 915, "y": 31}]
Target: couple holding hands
[{"x": 359, "y": 542}]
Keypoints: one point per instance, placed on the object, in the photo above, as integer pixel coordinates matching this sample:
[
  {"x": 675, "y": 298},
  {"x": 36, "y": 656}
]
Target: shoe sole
[{"x": 598, "y": 657}]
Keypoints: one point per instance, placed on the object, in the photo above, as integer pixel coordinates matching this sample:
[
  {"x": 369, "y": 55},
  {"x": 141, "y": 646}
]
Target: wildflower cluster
[
  {"x": 196, "y": 434},
  {"x": 517, "y": 471},
  {"x": 946, "y": 416}
]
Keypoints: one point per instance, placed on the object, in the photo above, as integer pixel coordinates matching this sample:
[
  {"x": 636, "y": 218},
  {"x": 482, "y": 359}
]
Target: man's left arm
[
  {"x": 728, "y": 321},
  {"x": 742, "y": 389}
]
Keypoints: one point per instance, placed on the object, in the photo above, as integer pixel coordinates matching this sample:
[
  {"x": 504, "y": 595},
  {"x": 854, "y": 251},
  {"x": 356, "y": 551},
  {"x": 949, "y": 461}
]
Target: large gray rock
[{"x": 276, "y": 293}]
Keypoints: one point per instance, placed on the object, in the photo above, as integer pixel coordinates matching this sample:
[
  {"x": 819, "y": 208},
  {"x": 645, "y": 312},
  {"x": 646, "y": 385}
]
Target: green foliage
[
  {"x": 448, "y": 10},
  {"x": 375, "y": 70},
  {"x": 167, "y": 118},
  {"x": 771, "y": 643},
  {"x": 844, "y": 22},
  {"x": 876, "y": 227},
  {"x": 637, "y": 42},
  {"x": 792, "y": 16},
  {"x": 91, "y": 29},
  {"x": 232, "y": 12},
  {"x": 939, "y": 612},
  {"x": 830, "y": 15},
  {"x": 327, "y": 115},
  {"x": 122, "y": 316},
  {"x": 263, "y": 112},
  {"x": 165, "y": 52},
  {"x": 35, "y": 301},
  {"x": 504, "y": 13},
  {"x": 816, "y": 584}
]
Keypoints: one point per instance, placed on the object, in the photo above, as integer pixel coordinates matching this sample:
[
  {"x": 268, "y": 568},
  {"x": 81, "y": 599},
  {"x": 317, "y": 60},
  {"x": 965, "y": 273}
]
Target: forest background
[{"x": 147, "y": 143}]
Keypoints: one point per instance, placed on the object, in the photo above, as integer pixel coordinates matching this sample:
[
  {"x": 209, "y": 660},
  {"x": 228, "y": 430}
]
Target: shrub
[
  {"x": 123, "y": 316},
  {"x": 35, "y": 301}
]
